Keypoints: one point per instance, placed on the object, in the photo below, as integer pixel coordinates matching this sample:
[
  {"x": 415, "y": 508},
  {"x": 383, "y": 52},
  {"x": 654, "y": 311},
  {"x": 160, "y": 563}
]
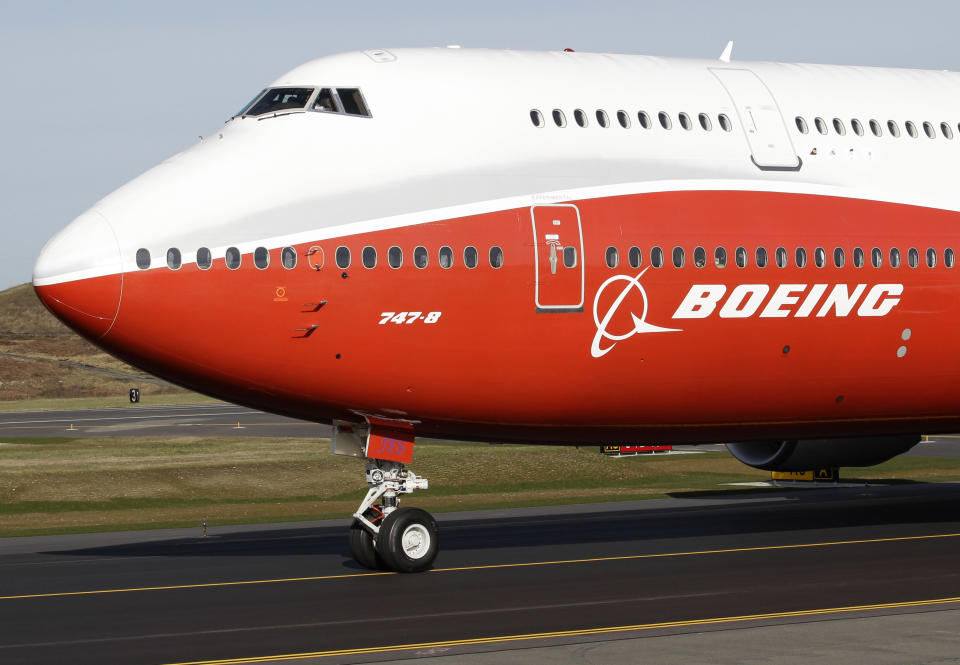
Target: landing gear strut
[{"x": 385, "y": 536}]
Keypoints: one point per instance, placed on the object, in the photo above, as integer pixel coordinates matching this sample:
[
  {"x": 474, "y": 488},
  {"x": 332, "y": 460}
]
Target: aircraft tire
[
  {"x": 408, "y": 540},
  {"x": 362, "y": 548}
]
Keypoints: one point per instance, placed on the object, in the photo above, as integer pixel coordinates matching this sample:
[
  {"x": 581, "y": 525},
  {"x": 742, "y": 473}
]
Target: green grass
[{"x": 70, "y": 485}]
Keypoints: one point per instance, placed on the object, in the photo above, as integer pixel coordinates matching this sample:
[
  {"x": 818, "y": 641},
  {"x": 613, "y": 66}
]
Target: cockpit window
[
  {"x": 352, "y": 101},
  {"x": 348, "y": 101},
  {"x": 326, "y": 101},
  {"x": 246, "y": 107},
  {"x": 280, "y": 99}
]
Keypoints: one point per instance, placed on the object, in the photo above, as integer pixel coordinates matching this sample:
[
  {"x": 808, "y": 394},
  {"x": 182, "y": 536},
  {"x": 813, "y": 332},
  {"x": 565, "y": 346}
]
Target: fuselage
[{"x": 723, "y": 251}]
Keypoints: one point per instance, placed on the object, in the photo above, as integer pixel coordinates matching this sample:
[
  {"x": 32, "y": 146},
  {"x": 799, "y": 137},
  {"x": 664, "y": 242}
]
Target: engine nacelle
[{"x": 808, "y": 454}]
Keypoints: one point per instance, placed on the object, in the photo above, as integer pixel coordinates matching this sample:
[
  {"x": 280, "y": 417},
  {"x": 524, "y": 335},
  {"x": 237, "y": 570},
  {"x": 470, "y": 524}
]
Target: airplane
[{"x": 546, "y": 247}]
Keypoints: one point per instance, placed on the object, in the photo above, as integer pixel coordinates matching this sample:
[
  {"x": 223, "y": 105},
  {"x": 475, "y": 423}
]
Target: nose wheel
[{"x": 384, "y": 536}]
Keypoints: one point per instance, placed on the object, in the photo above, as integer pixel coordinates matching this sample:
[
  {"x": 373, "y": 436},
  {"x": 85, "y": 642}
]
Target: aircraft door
[
  {"x": 759, "y": 115},
  {"x": 558, "y": 258}
]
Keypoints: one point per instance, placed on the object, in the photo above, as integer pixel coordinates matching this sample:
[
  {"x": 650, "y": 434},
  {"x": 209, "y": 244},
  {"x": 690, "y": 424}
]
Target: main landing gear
[{"x": 385, "y": 536}]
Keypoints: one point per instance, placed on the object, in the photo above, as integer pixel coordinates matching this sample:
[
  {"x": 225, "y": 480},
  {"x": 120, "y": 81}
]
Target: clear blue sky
[{"x": 95, "y": 93}]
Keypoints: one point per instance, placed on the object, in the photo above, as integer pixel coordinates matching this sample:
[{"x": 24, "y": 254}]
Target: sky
[{"x": 96, "y": 92}]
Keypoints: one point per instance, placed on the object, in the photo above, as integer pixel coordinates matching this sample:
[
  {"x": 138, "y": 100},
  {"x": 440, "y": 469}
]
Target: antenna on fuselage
[{"x": 727, "y": 51}]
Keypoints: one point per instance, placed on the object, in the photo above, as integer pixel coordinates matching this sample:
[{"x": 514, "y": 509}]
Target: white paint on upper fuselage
[{"x": 451, "y": 135}]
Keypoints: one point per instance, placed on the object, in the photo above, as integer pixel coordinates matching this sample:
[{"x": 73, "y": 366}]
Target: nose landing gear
[{"x": 385, "y": 536}]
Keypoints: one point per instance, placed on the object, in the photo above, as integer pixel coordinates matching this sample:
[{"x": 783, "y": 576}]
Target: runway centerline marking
[
  {"x": 628, "y": 557},
  {"x": 578, "y": 633}
]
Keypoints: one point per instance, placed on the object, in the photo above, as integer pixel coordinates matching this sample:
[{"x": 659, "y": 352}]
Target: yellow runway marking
[
  {"x": 576, "y": 633},
  {"x": 628, "y": 557}
]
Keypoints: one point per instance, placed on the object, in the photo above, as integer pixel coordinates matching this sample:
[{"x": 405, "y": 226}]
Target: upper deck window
[{"x": 275, "y": 100}]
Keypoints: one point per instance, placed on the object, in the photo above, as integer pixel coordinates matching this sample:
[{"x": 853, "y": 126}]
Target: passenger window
[
  {"x": 665, "y": 121},
  {"x": 720, "y": 257},
  {"x": 232, "y": 258},
  {"x": 761, "y": 257},
  {"x": 857, "y": 127},
  {"x": 876, "y": 128},
  {"x": 911, "y": 129},
  {"x": 624, "y": 119},
  {"x": 819, "y": 257},
  {"x": 948, "y": 258},
  {"x": 204, "y": 258},
  {"x": 281, "y": 99},
  {"x": 685, "y": 122},
  {"x": 559, "y": 119},
  {"x": 352, "y": 101},
  {"x": 699, "y": 257},
  {"x": 741, "y": 257},
  {"x": 894, "y": 258},
  {"x": 261, "y": 258},
  {"x": 929, "y": 130},
  {"x": 613, "y": 257},
  {"x": 369, "y": 257},
  {"x": 446, "y": 257},
  {"x": 838, "y": 127},
  {"x": 838, "y": 257},
  {"x": 326, "y": 102},
  {"x": 876, "y": 257},
  {"x": 946, "y": 130},
  {"x": 931, "y": 258},
  {"x": 678, "y": 257},
  {"x": 420, "y": 257},
  {"x": 705, "y": 122},
  {"x": 394, "y": 257},
  {"x": 496, "y": 257},
  {"x": 288, "y": 257},
  {"x": 580, "y": 117},
  {"x": 602, "y": 118},
  {"x": 656, "y": 257},
  {"x": 801, "y": 257},
  {"x": 634, "y": 257},
  {"x": 471, "y": 257},
  {"x": 913, "y": 257},
  {"x": 781, "y": 257},
  {"x": 821, "y": 125},
  {"x": 857, "y": 257},
  {"x": 314, "y": 258},
  {"x": 570, "y": 257},
  {"x": 173, "y": 258},
  {"x": 802, "y": 125},
  {"x": 893, "y": 128},
  {"x": 343, "y": 257},
  {"x": 143, "y": 258},
  {"x": 536, "y": 118},
  {"x": 644, "y": 118},
  {"x": 725, "y": 123}
]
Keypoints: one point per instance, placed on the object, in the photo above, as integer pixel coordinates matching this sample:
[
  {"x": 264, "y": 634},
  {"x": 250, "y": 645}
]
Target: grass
[{"x": 63, "y": 485}]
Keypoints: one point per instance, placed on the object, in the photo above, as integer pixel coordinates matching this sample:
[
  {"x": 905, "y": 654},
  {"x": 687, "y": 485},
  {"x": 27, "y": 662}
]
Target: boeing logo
[
  {"x": 796, "y": 300},
  {"x": 741, "y": 302},
  {"x": 640, "y": 324}
]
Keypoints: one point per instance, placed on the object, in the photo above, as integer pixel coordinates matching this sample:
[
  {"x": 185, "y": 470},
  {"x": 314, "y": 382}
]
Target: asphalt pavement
[{"x": 743, "y": 578}]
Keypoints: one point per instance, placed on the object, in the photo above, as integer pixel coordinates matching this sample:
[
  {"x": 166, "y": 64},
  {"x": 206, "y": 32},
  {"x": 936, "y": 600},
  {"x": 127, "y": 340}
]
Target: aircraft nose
[{"x": 79, "y": 275}]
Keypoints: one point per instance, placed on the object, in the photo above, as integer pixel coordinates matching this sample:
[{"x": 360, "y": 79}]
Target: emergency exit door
[
  {"x": 558, "y": 258},
  {"x": 759, "y": 115}
]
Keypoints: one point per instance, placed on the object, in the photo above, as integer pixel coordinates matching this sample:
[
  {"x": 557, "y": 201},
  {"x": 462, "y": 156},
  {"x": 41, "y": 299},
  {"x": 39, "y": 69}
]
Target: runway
[
  {"x": 712, "y": 578},
  {"x": 233, "y": 420},
  {"x": 187, "y": 420}
]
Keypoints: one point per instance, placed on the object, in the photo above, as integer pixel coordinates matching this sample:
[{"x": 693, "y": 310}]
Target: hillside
[{"x": 42, "y": 358}]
